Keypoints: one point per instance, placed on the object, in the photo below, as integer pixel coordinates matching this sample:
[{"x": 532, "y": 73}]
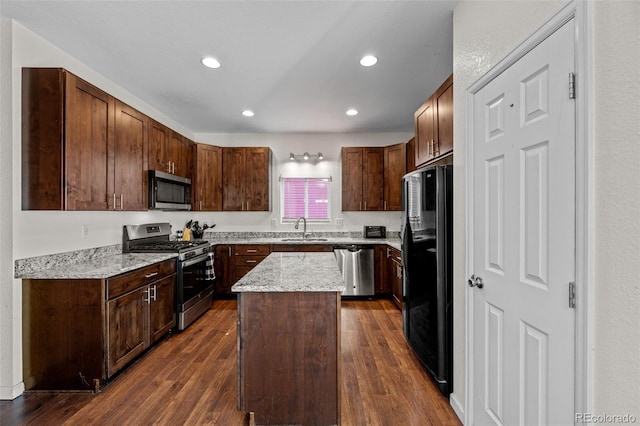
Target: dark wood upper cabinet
[
  {"x": 246, "y": 178},
  {"x": 81, "y": 148},
  {"x": 411, "y": 155},
  {"x": 351, "y": 179},
  {"x": 395, "y": 167},
  {"x": 159, "y": 135},
  {"x": 362, "y": 178},
  {"x": 444, "y": 118},
  {"x": 207, "y": 183},
  {"x": 434, "y": 125},
  {"x": 373, "y": 179},
  {"x": 169, "y": 151},
  {"x": 130, "y": 158},
  {"x": 368, "y": 176},
  {"x": 425, "y": 133},
  {"x": 67, "y": 135}
]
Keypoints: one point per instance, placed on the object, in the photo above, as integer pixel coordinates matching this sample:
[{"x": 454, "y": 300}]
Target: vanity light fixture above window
[{"x": 305, "y": 156}]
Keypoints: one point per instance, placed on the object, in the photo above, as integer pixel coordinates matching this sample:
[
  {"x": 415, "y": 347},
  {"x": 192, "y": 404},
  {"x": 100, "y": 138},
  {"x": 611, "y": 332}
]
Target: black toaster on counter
[{"x": 375, "y": 231}]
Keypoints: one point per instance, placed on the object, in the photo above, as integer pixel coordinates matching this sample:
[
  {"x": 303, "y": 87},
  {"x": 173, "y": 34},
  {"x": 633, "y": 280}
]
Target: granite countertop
[
  {"x": 299, "y": 272},
  {"x": 248, "y": 238},
  {"x": 97, "y": 268}
]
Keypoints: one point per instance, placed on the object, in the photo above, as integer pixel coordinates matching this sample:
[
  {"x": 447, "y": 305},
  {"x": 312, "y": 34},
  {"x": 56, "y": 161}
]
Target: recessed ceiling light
[
  {"x": 352, "y": 111},
  {"x": 211, "y": 62},
  {"x": 368, "y": 61},
  {"x": 247, "y": 113}
]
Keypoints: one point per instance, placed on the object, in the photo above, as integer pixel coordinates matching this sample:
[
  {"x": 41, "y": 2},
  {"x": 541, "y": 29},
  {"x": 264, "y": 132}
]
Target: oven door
[{"x": 192, "y": 285}]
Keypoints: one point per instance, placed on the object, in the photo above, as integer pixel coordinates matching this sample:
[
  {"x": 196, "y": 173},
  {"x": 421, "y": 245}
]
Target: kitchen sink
[{"x": 304, "y": 239}]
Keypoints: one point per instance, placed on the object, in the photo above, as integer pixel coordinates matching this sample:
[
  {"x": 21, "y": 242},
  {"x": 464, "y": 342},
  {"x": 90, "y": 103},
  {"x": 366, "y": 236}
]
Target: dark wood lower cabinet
[
  {"x": 288, "y": 359},
  {"x": 77, "y": 333},
  {"x": 394, "y": 275}
]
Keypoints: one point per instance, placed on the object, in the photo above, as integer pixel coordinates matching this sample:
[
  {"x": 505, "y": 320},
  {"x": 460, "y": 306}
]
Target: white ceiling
[{"x": 295, "y": 63}]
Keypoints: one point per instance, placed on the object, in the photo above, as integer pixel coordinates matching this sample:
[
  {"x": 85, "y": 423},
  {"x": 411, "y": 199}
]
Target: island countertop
[{"x": 293, "y": 272}]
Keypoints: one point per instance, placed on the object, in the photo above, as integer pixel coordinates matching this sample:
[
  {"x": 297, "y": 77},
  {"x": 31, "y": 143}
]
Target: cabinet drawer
[
  {"x": 241, "y": 271},
  {"x": 302, "y": 247},
  {"x": 252, "y": 250},
  {"x": 132, "y": 280},
  {"x": 249, "y": 261}
]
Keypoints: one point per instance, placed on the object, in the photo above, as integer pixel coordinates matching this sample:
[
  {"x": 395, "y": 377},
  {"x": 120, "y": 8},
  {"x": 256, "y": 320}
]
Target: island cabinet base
[{"x": 289, "y": 357}]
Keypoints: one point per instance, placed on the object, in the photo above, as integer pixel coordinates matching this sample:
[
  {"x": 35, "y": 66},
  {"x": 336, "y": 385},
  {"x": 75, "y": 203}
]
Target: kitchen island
[{"x": 289, "y": 339}]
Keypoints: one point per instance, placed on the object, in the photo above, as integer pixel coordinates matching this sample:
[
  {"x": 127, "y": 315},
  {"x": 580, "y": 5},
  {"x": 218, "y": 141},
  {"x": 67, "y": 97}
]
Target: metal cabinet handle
[
  {"x": 229, "y": 251},
  {"x": 365, "y": 205},
  {"x": 121, "y": 201},
  {"x": 147, "y": 297},
  {"x": 114, "y": 200},
  {"x": 252, "y": 261},
  {"x": 153, "y": 274},
  {"x": 388, "y": 252},
  {"x": 200, "y": 204},
  {"x": 252, "y": 251},
  {"x": 154, "y": 289},
  {"x": 385, "y": 205},
  {"x": 248, "y": 205}
]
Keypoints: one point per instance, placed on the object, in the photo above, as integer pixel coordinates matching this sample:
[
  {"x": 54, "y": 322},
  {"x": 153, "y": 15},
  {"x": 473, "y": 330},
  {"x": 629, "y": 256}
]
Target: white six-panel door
[{"x": 523, "y": 239}]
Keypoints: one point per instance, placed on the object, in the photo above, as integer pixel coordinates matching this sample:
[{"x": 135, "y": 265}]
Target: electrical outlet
[
  {"x": 85, "y": 231},
  {"x": 339, "y": 221},
  {"x": 274, "y": 222}
]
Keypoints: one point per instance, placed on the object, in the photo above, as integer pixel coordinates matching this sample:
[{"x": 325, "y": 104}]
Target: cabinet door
[
  {"x": 233, "y": 178},
  {"x": 425, "y": 134},
  {"x": 380, "y": 271},
  {"x": 128, "y": 328},
  {"x": 130, "y": 158},
  {"x": 175, "y": 146},
  {"x": 373, "y": 179},
  {"x": 158, "y": 141},
  {"x": 352, "y": 179},
  {"x": 395, "y": 167},
  {"x": 257, "y": 179},
  {"x": 89, "y": 119},
  {"x": 394, "y": 275},
  {"x": 411, "y": 155},
  {"x": 225, "y": 268},
  {"x": 162, "y": 315},
  {"x": 444, "y": 112},
  {"x": 188, "y": 148},
  {"x": 208, "y": 178}
]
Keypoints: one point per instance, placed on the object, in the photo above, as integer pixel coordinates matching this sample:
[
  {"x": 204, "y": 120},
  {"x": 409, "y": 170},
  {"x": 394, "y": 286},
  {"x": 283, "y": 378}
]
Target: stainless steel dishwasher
[{"x": 356, "y": 265}]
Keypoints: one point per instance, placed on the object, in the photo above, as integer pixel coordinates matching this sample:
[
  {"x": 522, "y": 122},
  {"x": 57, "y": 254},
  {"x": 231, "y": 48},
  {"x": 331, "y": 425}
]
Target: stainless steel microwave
[{"x": 169, "y": 192}]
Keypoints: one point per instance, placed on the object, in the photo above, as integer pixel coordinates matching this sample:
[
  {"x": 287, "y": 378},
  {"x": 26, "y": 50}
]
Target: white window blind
[{"x": 305, "y": 197}]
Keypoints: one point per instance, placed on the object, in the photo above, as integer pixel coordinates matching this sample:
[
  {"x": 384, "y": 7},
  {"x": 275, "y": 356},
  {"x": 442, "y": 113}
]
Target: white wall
[
  {"x": 281, "y": 145},
  {"x": 616, "y": 77},
  {"x": 33, "y": 233},
  {"x": 485, "y": 32}
]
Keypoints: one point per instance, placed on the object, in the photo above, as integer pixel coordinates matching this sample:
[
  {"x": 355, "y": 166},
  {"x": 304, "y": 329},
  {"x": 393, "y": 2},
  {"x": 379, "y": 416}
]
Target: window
[{"x": 305, "y": 197}]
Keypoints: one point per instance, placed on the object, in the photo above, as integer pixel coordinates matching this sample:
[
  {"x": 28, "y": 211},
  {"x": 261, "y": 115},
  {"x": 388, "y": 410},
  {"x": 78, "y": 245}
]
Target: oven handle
[{"x": 195, "y": 260}]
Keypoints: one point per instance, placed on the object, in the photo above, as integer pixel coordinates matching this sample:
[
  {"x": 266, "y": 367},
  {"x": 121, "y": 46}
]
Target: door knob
[{"x": 475, "y": 281}]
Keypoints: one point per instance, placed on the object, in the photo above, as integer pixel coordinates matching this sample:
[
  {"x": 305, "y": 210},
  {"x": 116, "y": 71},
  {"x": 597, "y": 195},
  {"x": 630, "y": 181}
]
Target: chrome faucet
[{"x": 304, "y": 230}]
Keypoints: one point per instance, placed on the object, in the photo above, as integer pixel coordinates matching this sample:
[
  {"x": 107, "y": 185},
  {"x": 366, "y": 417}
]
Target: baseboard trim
[
  {"x": 8, "y": 393},
  {"x": 457, "y": 407}
]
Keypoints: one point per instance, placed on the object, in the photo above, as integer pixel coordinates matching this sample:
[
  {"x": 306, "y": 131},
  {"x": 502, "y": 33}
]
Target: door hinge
[
  {"x": 572, "y": 85},
  {"x": 572, "y": 295}
]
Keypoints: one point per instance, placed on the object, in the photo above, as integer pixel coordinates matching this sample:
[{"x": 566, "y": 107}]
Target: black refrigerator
[{"x": 427, "y": 293}]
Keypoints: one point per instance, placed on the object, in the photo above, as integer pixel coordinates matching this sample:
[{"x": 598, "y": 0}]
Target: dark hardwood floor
[{"x": 190, "y": 378}]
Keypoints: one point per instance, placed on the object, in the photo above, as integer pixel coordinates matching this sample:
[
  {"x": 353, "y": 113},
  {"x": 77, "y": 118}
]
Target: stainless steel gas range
[{"x": 194, "y": 276}]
